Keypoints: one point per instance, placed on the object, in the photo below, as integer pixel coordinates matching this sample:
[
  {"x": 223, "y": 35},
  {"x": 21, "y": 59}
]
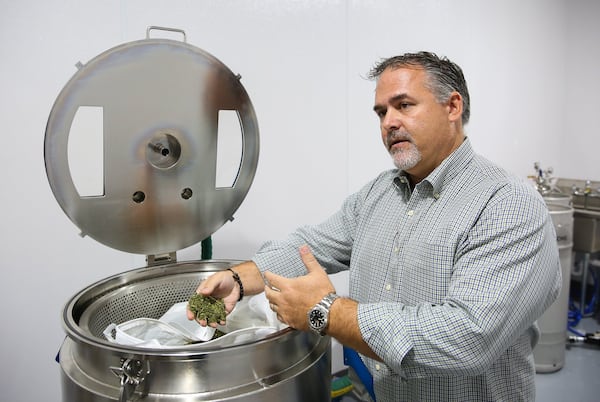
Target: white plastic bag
[
  {"x": 251, "y": 320},
  {"x": 145, "y": 332},
  {"x": 176, "y": 317}
]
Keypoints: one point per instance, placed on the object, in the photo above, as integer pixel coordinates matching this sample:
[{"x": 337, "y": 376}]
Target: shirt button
[
  {"x": 410, "y": 213},
  {"x": 377, "y": 367},
  {"x": 436, "y": 196},
  {"x": 388, "y": 286}
]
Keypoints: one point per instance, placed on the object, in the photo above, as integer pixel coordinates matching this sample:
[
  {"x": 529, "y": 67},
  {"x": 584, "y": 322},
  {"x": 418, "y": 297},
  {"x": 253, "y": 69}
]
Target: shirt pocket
[{"x": 426, "y": 272}]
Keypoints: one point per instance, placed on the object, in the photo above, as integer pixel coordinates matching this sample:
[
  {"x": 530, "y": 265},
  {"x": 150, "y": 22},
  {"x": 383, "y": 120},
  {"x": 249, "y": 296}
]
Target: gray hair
[{"x": 444, "y": 76}]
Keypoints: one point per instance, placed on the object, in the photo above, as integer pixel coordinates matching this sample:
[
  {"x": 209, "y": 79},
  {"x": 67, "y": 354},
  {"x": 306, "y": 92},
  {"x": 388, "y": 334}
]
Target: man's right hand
[
  {"x": 222, "y": 285},
  {"x": 219, "y": 285}
]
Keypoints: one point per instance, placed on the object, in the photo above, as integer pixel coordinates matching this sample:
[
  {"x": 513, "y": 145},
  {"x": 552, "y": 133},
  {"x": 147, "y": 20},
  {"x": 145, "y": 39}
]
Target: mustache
[{"x": 397, "y": 136}]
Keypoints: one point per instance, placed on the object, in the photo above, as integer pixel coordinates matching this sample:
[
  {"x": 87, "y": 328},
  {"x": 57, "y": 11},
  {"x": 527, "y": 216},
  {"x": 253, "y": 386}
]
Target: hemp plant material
[{"x": 207, "y": 308}]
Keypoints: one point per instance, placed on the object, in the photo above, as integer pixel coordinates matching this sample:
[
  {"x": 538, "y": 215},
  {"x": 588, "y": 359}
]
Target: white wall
[
  {"x": 530, "y": 66},
  {"x": 579, "y": 152}
]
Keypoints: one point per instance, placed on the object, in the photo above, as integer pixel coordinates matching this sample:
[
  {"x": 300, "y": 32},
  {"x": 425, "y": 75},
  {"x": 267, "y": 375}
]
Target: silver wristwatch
[{"x": 318, "y": 316}]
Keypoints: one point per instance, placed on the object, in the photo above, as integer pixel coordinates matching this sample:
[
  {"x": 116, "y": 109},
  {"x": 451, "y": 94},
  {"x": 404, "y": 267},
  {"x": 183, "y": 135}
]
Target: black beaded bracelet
[{"x": 236, "y": 278}]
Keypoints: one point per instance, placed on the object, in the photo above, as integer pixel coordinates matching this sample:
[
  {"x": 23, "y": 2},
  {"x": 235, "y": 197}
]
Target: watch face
[{"x": 317, "y": 319}]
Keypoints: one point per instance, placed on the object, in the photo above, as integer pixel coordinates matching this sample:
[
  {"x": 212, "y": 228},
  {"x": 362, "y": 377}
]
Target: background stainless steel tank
[
  {"x": 558, "y": 198},
  {"x": 160, "y": 103},
  {"x": 549, "y": 353}
]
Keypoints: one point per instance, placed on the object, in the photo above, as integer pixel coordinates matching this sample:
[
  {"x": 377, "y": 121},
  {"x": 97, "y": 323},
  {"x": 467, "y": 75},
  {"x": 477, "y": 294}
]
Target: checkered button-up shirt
[{"x": 450, "y": 278}]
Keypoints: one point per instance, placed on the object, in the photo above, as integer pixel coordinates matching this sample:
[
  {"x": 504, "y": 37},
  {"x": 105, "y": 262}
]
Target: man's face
[{"x": 417, "y": 130}]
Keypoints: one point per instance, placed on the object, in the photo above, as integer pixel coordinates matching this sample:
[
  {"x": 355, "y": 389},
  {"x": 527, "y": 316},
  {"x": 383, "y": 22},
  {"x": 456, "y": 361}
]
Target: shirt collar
[{"x": 445, "y": 172}]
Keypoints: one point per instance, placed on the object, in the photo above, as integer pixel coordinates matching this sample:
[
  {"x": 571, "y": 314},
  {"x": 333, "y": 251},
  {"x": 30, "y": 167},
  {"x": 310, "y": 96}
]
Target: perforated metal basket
[{"x": 150, "y": 296}]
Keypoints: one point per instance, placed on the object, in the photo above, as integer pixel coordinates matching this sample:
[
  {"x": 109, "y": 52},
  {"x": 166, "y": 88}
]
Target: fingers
[
  {"x": 219, "y": 285},
  {"x": 271, "y": 293},
  {"x": 274, "y": 282},
  {"x": 274, "y": 294},
  {"x": 309, "y": 259},
  {"x": 208, "y": 286},
  {"x": 275, "y": 309}
]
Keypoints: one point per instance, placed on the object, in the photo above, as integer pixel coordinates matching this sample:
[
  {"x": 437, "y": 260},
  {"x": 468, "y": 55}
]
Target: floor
[{"x": 578, "y": 380}]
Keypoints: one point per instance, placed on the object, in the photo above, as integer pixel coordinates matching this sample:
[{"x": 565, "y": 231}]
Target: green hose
[{"x": 206, "y": 248}]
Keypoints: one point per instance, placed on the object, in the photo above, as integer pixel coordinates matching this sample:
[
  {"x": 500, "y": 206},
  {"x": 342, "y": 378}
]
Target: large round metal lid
[{"x": 161, "y": 106}]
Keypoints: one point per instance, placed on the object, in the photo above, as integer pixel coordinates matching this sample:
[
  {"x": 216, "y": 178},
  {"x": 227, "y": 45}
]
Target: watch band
[
  {"x": 325, "y": 304},
  {"x": 328, "y": 300}
]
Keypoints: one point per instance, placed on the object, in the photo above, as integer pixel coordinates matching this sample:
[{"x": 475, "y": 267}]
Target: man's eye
[{"x": 404, "y": 105}]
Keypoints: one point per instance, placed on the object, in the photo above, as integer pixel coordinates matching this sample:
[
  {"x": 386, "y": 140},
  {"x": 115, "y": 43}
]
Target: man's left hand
[{"x": 292, "y": 298}]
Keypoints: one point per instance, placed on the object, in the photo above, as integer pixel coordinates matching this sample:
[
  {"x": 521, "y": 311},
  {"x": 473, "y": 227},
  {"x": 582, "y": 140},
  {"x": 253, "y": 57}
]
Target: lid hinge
[{"x": 160, "y": 259}]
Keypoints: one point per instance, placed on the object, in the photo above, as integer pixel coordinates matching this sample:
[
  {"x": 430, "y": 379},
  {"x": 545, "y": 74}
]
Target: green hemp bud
[{"x": 207, "y": 308}]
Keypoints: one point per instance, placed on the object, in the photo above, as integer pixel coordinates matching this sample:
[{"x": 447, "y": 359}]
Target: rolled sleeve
[{"x": 380, "y": 322}]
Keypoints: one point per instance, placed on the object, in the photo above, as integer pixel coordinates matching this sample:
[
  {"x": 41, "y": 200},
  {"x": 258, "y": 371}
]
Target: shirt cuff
[{"x": 383, "y": 328}]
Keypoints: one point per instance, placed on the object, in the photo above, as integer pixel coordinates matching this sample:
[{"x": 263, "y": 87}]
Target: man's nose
[{"x": 391, "y": 120}]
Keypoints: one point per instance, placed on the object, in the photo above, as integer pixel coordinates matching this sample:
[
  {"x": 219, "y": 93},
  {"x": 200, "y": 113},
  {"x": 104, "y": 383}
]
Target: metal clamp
[
  {"x": 150, "y": 28},
  {"x": 131, "y": 373}
]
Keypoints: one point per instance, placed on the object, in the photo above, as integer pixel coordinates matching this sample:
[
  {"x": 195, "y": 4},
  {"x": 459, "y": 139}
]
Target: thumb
[{"x": 309, "y": 259}]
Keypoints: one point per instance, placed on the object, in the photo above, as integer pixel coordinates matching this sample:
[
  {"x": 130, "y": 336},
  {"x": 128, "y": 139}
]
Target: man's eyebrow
[{"x": 393, "y": 99}]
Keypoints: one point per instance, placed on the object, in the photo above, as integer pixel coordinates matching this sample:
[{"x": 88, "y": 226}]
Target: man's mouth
[{"x": 395, "y": 140}]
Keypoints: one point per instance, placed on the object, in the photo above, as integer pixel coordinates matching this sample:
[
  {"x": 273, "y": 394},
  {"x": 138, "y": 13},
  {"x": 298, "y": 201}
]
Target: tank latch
[{"x": 131, "y": 373}]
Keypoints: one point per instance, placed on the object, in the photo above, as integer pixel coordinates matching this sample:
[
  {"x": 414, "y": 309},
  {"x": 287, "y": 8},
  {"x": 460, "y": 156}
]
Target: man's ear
[{"x": 455, "y": 106}]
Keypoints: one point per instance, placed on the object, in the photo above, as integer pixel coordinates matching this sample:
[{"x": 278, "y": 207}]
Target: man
[{"x": 451, "y": 259}]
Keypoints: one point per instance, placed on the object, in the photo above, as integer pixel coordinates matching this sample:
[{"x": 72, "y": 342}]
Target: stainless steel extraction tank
[{"x": 160, "y": 103}]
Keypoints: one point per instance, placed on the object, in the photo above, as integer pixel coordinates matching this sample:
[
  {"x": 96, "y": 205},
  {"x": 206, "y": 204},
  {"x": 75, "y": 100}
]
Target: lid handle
[{"x": 154, "y": 27}]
